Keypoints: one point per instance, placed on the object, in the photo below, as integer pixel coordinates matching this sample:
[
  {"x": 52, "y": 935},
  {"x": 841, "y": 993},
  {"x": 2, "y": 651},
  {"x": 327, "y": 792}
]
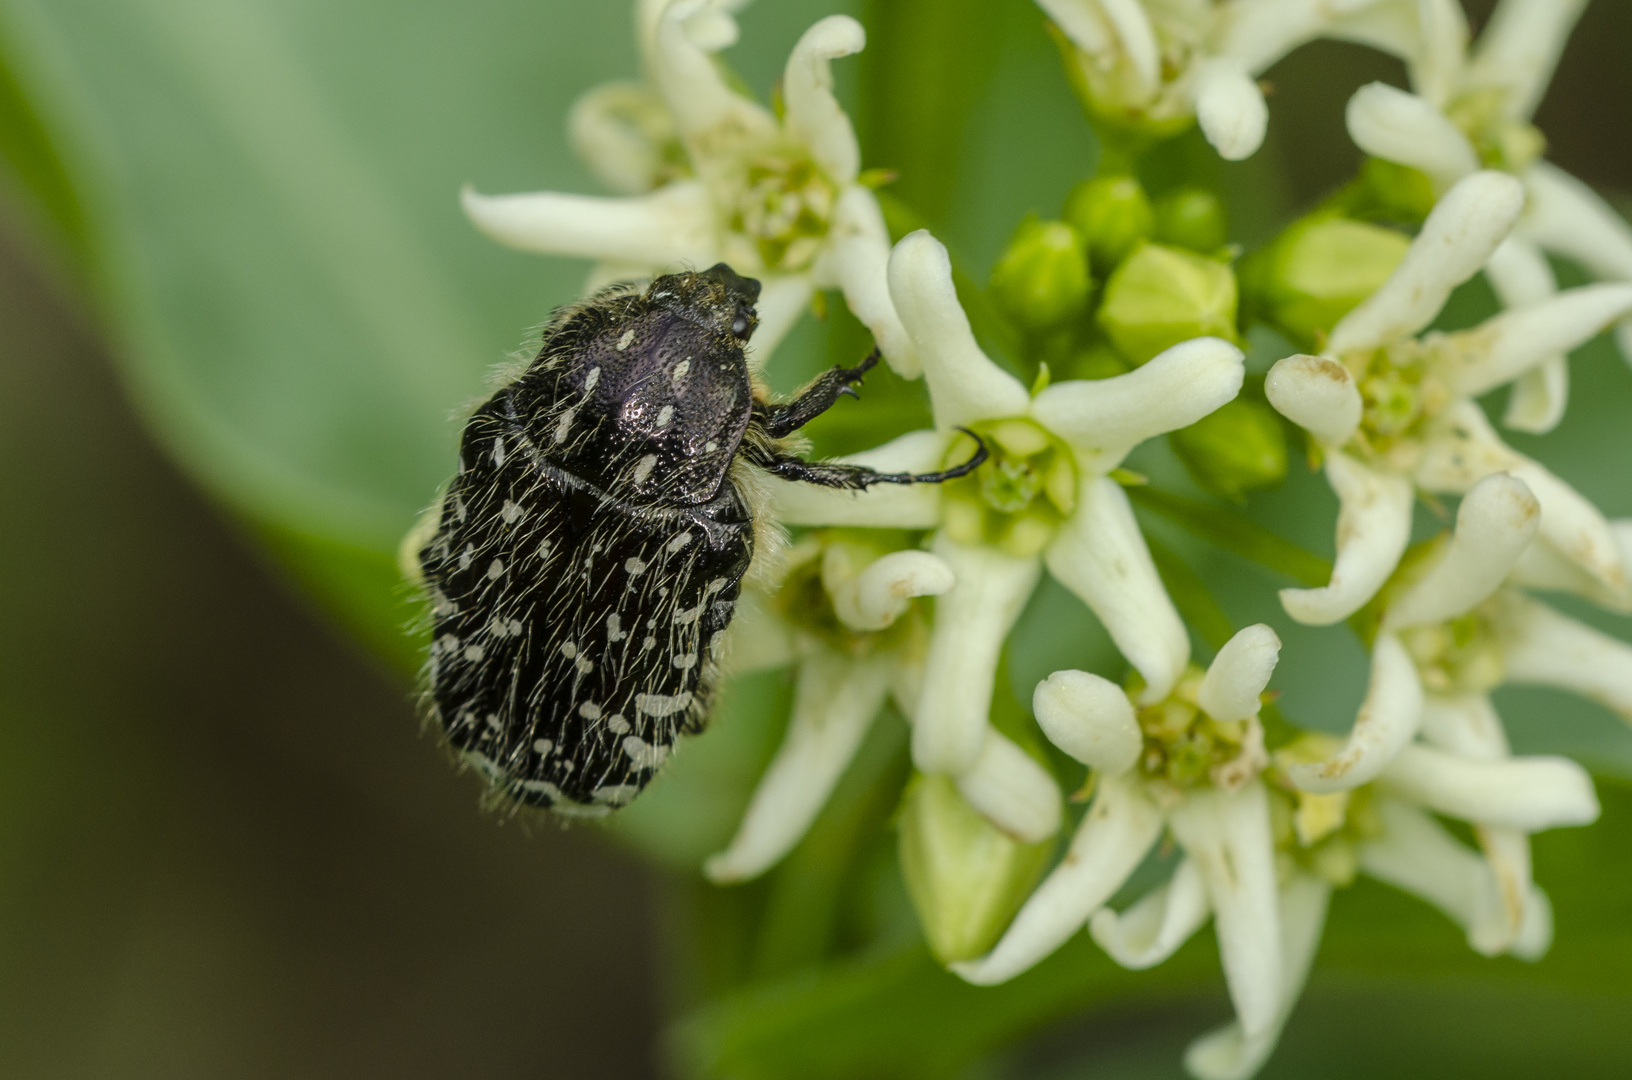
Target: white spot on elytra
[
  {"x": 714, "y": 586},
  {"x": 563, "y": 426},
  {"x": 685, "y": 661},
  {"x": 459, "y": 510},
  {"x": 589, "y": 711},
  {"x": 644, "y": 754},
  {"x": 510, "y": 512},
  {"x": 687, "y": 616},
  {"x": 633, "y": 566},
  {"x": 664, "y": 415},
  {"x": 663, "y": 704},
  {"x": 569, "y": 650},
  {"x": 710, "y": 446},
  {"x": 474, "y": 653},
  {"x": 649, "y": 642},
  {"x": 682, "y": 369},
  {"x": 495, "y": 569},
  {"x": 623, "y": 342},
  {"x": 644, "y": 467},
  {"x": 493, "y": 721},
  {"x": 466, "y": 556},
  {"x": 543, "y": 549},
  {"x": 679, "y": 542},
  {"x": 614, "y": 628},
  {"x": 618, "y": 724},
  {"x": 498, "y": 450},
  {"x": 617, "y": 794},
  {"x": 584, "y": 664},
  {"x": 593, "y": 377},
  {"x": 543, "y": 746}
]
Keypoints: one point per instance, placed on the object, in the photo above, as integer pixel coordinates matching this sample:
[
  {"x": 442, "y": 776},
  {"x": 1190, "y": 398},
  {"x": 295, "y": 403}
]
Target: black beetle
[{"x": 590, "y": 551}]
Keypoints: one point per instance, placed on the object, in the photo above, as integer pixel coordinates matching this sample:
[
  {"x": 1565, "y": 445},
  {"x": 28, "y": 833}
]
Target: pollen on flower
[
  {"x": 1187, "y": 748},
  {"x": 783, "y": 208}
]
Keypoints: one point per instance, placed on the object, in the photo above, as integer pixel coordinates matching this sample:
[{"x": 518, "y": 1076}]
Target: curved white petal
[
  {"x": 1495, "y": 523},
  {"x": 1230, "y": 107},
  {"x": 1544, "y": 648},
  {"x": 1436, "y": 69},
  {"x": 1237, "y": 676},
  {"x": 712, "y": 119},
  {"x": 834, "y": 705},
  {"x": 1528, "y": 793},
  {"x": 1082, "y": 22},
  {"x": 1157, "y": 924},
  {"x": 1465, "y": 725},
  {"x": 1463, "y": 449},
  {"x": 1015, "y": 793},
  {"x": 1089, "y": 718},
  {"x": 1519, "y": 273},
  {"x": 882, "y": 506},
  {"x": 1545, "y": 567},
  {"x": 1256, "y": 33},
  {"x": 783, "y": 298},
  {"x": 964, "y": 386},
  {"x": 1536, "y": 405},
  {"x": 1520, "y": 47},
  {"x": 1507, "y": 854},
  {"x": 1506, "y": 345},
  {"x": 1229, "y": 1053},
  {"x": 619, "y": 129},
  {"x": 1568, "y": 217},
  {"x": 857, "y": 260},
  {"x": 1401, "y": 127},
  {"x": 1174, "y": 389},
  {"x": 1317, "y": 394},
  {"x": 971, "y": 621},
  {"x": 1459, "y": 236},
  {"x": 674, "y": 224},
  {"x": 1100, "y": 554},
  {"x": 1386, "y": 721},
  {"x": 1114, "y": 836},
  {"x": 881, "y": 593},
  {"x": 1138, "y": 37},
  {"x": 813, "y": 114},
  {"x": 1373, "y": 529},
  {"x": 1228, "y": 836}
]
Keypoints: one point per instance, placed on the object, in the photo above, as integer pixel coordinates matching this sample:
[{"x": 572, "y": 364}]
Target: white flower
[
  {"x": 1188, "y": 764},
  {"x": 1043, "y": 498},
  {"x": 711, "y": 176},
  {"x": 1154, "y": 65},
  {"x": 1394, "y": 411},
  {"x": 1473, "y": 109}
]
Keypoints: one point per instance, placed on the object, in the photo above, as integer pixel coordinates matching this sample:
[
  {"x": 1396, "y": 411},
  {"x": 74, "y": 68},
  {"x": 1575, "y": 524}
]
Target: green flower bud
[
  {"x": 1112, "y": 214},
  {"x": 1239, "y": 448},
  {"x": 966, "y": 877},
  {"x": 1192, "y": 218},
  {"x": 1320, "y": 268},
  {"x": 1396, "y": 192},
  {"x": 1097, "y": 361},
  {"x": 1042, "y": 279},
  {"x": 1161, "y": 296}
]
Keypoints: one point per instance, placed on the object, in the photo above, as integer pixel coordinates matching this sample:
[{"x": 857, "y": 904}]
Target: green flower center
[
  {"x": 1396, "y": 399},
  {"x": 1318, "y": 834},
  {"x": 1461, "y": 656},
  {"x": 805, "y": 599},
  {"x": 1183, "y": 744},
  {"x": 784, "y": 208},
  {"x": 1019, "y": 496},
  {"x": 1501, "y": 141}
]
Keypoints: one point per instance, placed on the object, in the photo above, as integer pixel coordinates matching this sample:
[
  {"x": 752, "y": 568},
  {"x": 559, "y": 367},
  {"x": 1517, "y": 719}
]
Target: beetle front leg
[
  {"x": 856, "y": 477},
  {"x": 780, "y": 421}
]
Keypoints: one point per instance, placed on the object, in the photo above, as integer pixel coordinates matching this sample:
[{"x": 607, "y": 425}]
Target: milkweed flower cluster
[{"x": 1127, "y": 317}]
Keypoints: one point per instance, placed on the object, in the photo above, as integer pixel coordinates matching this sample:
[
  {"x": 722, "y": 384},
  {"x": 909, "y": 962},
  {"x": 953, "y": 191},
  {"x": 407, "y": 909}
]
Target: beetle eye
[{"x": 739, "y": 325}]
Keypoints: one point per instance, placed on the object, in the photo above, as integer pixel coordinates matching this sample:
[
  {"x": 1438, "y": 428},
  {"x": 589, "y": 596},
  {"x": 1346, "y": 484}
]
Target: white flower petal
[
  {"x": 1238, "y": 674},
  {"x": 783, "y": 298},
  {"x": 1544, "y": 567},
  {"x": 1401, "y": 127},
  {"x": 619, "y": 129},
  {"x": 1529, "y": 793},
  {"x": 1157, "y": 924},
  {"x": 1100, "y": 554},
  {"x": 712, "y": 119},
  {"x": 813, "y": 115},
  {"x": 1228, "y": 1053},
  {"x": 1373, "y": 529},
  {"x": 1132, "y": 27},
  {"x": 1227, "y": 835},
  {"x": 1539, "y": 397},
  {"x": 971, "y": 622},
  {"x": 834, "y": 705},
  {"x": 1520, "y": 47},
  {"x": 1317, "y": 394},
  {"x": 1082, "y": 22},
  {"x": 1230, "y": 107},
  {"x": 1567, "y": 217},
  {"x": 1519, "y": 273},
  {"x": 1506, "y": 345},
  {"x": 856, "y": 259},
  {"x": 1015, "y": 793},
  {"x": 881, "y": 593},
  {"x": 1089, "y": 718},
  {"x": 1459, "y": 236},
  {"x": 1175, "y": 389},
  {"x": 1466, "y": 725},
  {"x": 882, "y": 506},
  {"x": 1507, "y": 853},
  {"x": 672, "y": 225},
  {"x": 1463, "y": 449},
  {"x": 1256, "y": 33},
  {"x": 964, "y": 386},
  {"x": 1495, "y": 523},
  {"x": 1386, "y": 722},
  {"x": 1544, "y": 648},
  {"x": 1417, "y": 855},
  {"x": 1114, "y": 836}
]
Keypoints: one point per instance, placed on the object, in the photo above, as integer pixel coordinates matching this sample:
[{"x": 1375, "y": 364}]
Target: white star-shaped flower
[
  {"x": 1394, "y": 411},
  {"x": 1043, "y": 498},
  {"x": 712, "y": 176}
]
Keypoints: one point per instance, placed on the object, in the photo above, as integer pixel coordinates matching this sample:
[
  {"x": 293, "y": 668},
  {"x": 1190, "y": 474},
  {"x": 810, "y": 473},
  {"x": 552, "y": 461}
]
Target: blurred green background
[{"x": 230, "y": 251}]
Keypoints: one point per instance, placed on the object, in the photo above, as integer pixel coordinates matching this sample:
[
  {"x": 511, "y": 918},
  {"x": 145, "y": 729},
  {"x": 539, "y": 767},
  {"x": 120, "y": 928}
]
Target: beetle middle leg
[
  {"x": 780, "y": 421},
  {"x": 857, "y": 477}
]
